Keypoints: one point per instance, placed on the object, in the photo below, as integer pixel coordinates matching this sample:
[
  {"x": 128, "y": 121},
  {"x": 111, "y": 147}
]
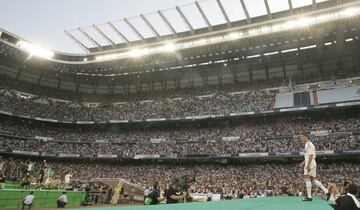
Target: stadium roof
[
  {"x": 196, "y": 18},
  {"x": 250, "y": 26}
]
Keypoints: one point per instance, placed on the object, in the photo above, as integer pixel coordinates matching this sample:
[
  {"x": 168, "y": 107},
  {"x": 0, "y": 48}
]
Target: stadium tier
[
  {"x": 223, "y": 112},
  {"x": 339, "y": 133}
]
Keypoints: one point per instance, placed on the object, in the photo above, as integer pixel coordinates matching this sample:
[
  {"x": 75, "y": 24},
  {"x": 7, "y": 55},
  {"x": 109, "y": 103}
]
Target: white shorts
[{"x": 312, "y": 171}]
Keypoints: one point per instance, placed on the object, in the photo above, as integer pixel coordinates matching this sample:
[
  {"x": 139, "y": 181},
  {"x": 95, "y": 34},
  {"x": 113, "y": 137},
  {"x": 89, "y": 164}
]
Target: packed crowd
[
  {"x": 256, "y": 129},
  {"x": 228, "y": 179},
  {"x": 348, "y": 142},
  {"x": 219, "y": 103},
  {"x": 271, "y": 136}
]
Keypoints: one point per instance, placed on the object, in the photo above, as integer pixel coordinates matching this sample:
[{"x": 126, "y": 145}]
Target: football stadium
[{"x": 209, "y": 104}]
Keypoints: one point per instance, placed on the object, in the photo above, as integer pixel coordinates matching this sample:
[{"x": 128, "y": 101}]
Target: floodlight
[
  {"x": 35, "y": 50},
  {"x": 289, "y": 24},
  {"x": 351, "y": 12},
  {"x": 170, "y": 47},
  {"x": 265, "y": 29},
  {"x": 234, "y": 36},
  {"x": 135, "y": 53},
  {"x": 253, "y": 32},
  {"x": 276, "y": 27},
  {"x": 304, "y": 22},
  {"x": 145, "y": 51}
]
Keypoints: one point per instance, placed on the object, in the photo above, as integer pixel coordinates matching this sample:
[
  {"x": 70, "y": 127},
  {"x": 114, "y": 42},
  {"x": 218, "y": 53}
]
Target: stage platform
[{"x": 273, "y": 203}]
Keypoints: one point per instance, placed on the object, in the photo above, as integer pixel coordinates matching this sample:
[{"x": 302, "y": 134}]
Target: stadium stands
[
  {"x": 217, "y": 103},
  {"x": 228, "y": 114},
  {"x": 330, "y": 133}
]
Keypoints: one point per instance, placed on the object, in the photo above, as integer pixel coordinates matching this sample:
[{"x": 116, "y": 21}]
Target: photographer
[
  {"x": 173, "y": 194},
  {"x": 155, "y": 194}
]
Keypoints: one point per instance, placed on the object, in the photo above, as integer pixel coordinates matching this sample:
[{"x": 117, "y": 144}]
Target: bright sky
[{"x": 43, "y": 21}]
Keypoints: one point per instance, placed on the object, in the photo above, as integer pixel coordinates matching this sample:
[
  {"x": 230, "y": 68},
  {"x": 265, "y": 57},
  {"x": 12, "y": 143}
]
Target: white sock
[
  {"x": 308, "y": 188},
  {"x": 321, "y": 186}
]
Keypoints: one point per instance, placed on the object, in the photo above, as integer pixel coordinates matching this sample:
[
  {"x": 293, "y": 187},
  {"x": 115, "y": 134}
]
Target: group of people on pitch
[{"x": 29, "y": 199}]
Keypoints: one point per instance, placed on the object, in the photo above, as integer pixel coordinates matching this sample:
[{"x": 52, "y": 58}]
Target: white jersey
[
  {"x": 310, "y": 150},
  {"x": 30, "y": 167},
  {"x": 68, "y": 178},
  {"x": 63, "y": 198},
  {"x": 29, "y": 199},
  {"x": 146, "y": 192}
]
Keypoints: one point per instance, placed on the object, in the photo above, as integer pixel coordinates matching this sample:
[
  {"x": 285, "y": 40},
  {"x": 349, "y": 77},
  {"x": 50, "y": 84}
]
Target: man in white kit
[
  {"x": 28, "y": 201},
  {"x": 309, "y": 165}
]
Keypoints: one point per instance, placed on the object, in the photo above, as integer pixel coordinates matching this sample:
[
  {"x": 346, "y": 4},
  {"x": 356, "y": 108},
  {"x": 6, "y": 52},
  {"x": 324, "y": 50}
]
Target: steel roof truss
[
  {"x": 226, "y": 17},
  {"x": 151, "y": 27},
  {"x": 132, "y": 27},
  {"x": 245, "y": 11},
  {"x": 103, "y": 35},
  {"x": 78, "y": 42},
  {"x": 206, "y": 20},
  {"x": 186, "y": 21},
  {"x": 92, "y": 40},
  {"x": 121, "y": 35},
  {"x": 166, "y": 21}
]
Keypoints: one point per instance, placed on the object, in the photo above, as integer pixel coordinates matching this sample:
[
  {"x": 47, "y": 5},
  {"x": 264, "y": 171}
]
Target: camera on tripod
[{"x": 184, "y": 182}]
